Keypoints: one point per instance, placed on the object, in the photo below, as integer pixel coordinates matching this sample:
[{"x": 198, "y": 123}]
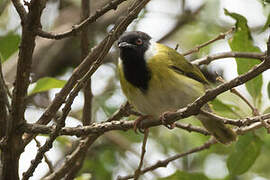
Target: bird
[{"x": 156, "y": 79}]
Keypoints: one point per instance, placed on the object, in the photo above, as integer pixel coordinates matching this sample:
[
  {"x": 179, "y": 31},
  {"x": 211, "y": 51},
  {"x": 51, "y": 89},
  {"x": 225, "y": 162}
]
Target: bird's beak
[{"x": 125, "y": 45}]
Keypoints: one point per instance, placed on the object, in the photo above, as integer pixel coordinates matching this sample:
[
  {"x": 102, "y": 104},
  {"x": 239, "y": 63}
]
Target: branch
[
  {"x": 77, "y": 28},
  {"x": 4, "y": 104},
  {"x": 25, "y": 60},
  {"x": 30, "y": 21},
  {"x": 138, "y": 171},
  {"x": 85, "y": 8},
  {"x": 208, "y": 59},
  {"x": 49, "y": 163},
  {"x": 20, "y": 10},
  {"x": 55, "y": 133},
  {"x": 68, "y": 164},
  {"x": 165, "y": 162},
  {"x": 100, "y": 128},
  {"x": 224, "y": 120},
  {"x": 252, "y": 127},
  {"x": 191, "y": 128}
]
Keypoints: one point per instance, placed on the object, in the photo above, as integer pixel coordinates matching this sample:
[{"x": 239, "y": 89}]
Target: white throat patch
[{"x": 151, "y": 51}]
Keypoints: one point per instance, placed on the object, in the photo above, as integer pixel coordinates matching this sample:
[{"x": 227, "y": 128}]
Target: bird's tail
[{"x": 218, "y": 129}]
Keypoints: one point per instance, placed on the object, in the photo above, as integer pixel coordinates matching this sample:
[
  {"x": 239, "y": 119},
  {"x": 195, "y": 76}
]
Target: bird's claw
[
  {"x": 163, "y": 120},
  {"x": 137, "y": 124}
]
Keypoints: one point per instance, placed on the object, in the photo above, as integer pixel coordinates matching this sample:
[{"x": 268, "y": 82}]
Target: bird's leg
[
  {"x": 137, "y": 123},
  {"x": 163, "y": 120}
]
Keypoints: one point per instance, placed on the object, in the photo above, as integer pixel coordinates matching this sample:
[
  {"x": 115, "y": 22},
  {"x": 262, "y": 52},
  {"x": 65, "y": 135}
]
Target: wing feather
[{"x": 179, "y": 64}]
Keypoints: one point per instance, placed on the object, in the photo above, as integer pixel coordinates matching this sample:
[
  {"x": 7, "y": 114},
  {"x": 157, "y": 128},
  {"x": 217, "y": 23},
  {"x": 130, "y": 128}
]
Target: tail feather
[{"x": 218, "y": 129}]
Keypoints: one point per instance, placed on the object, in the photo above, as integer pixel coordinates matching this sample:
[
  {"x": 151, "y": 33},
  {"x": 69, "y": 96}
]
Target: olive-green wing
[{"x": 181, "y": 65}]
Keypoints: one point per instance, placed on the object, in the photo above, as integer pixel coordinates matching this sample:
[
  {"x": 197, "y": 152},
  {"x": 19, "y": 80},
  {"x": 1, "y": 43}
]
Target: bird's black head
[
  {"x": 133, "y": 42},
  {"x": 133, "y": 46}
]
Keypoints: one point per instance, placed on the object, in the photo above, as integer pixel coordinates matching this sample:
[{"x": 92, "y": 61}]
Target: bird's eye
[{"x": 139, "y": 42}]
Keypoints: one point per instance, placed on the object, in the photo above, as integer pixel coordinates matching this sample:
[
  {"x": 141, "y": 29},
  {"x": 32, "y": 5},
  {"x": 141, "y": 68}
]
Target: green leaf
[
  {"x": 181, "y": 175},
  {"x": 9, "y": 43},
  {"x": 246, "y": 151},
  {"x": 47, "y": 83},
  {"x": 223, "y": 109},
  {"x": 242, "y": 41}
]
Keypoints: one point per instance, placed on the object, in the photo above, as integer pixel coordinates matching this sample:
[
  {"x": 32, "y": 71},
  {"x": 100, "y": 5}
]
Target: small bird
[{"x": 156, "y": 78}]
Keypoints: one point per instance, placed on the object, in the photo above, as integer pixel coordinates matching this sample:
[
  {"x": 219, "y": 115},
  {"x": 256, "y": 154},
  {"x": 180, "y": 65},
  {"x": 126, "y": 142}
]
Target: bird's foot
[
  {"x": 137, "y": 123},
  {"x": 163, "y": 120}
]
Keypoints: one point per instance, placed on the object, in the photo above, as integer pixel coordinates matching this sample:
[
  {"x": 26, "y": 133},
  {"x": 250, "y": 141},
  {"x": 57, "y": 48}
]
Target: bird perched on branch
[{"x": 156, "y": 79}]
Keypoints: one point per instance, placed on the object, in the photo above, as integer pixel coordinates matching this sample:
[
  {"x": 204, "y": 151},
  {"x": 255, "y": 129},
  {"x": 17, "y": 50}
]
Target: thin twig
[
  {"x": 60, "y": 123},
  {"x": 49, "y": 163},
  {"x": 254, "y": 110},
  {"x": 65, "y": 167},
  {"x": 224, "y": 120},
  {"x": 77, "y": 28},
  {"x": 191, "y": 128},
  {"x": 209, "y": 58},
  {"x": 138, "y": 171},
  {"x": 265, "y": 124},
  {"x": 251, "y": 127},
  {"x": 197, "y": 48},
  {"x": 164, "y": 163}
]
